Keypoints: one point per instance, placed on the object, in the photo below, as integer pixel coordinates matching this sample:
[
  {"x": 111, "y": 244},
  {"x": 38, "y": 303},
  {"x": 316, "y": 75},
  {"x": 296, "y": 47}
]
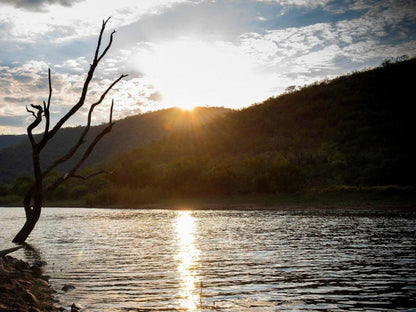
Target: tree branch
[
  {"x": 84, "y": 91},
  {"x": 37, "y": 190},
  {"x": 97, "y": 50},
  {"x": 46, "y": 106},
  {"x": 35, "y": 123},
  {"x": 81, "y": 139},
  {"x": 92, "y": 175},
  {"x": 87, "y": 152},
  {"x": 30, "y": 111}
]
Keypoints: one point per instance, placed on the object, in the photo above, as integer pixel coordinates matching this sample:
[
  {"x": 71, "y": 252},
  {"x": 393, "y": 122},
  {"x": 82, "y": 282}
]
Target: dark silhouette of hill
[
  {"x": 9, "y": 140},
  {"x": 127, "y": 133},
  {"x": 357, "y": 130}
]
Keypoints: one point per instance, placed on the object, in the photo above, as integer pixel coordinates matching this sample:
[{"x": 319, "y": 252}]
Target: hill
[
  {"x": 355, "y": 130},
  {"x": 134, "y": 131},
  {"x": 9, "y": 140}
]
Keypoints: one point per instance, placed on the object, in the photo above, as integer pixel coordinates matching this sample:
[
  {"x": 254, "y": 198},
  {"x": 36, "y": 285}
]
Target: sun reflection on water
[{"x": 187, "y": 259}]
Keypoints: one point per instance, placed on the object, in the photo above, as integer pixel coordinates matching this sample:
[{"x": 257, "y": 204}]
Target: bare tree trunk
[
  {"x": 33, "y": 200},
  {"x": 29, "y": 225}
]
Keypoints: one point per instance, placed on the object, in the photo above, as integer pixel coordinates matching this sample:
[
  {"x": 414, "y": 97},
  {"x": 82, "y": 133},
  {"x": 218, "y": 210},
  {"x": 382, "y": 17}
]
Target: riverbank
[
  {"x": 335, "y": 197},
  {"x": 24, "y": 288}
]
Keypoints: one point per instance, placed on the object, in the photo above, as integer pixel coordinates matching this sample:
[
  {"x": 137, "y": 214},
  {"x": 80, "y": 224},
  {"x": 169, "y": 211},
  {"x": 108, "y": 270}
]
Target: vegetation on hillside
[
  {"x": 134, "y": 131},
  {"x": 355, "y": 130}
]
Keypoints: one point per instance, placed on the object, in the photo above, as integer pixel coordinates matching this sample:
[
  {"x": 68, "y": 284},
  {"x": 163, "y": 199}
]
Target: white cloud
[
  {"x": 313, "y": 50},
  {"x": 300, "y": 3},
  {"x": 37, "y": 5},
  {"x": 82, "y": 19},
  {"x": 25, "y": 84}
]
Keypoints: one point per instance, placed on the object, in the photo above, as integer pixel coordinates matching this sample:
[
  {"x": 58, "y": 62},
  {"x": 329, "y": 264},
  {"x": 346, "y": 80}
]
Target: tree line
[{"x": 355, "y": 130}]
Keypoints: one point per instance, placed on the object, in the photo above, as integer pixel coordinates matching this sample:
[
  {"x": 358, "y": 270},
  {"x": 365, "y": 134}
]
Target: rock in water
[
  {"x": 68, "y": 287},
  {"x": 75, "y": 307}
]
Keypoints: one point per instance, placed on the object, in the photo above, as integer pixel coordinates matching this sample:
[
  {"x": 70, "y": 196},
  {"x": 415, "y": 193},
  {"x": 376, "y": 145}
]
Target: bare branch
[
  {"x": 97, "y": 50},
  {"x": 34, "y": 196},
  {"x": 88, "y": 151},
  {"x": 84, "y": 91},
  {"x": 30, "y": 111},
  {"x": 102, "y": 97},
  {"x": 108, "y": 46},
  {"x": 92, "y": 175},
  {"x": 81, "y": 139},
  {"x": 35, "y": 123},
  {"x": 38, "y": 107},
  {"x": 111, "y": 111},
  {"x": 86, "y": 154},
  {"x": 47, "y": 106},
  {"x": 50, "y": 87}
]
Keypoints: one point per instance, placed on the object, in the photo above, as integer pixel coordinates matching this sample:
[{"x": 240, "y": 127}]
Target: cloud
[
  {"x": 13, "y": 121},
  {"x": 24, "y": 84},
  {"x": 155, "y": 96},
  {"x": 38, "y": 5},
  {"x": 73, "y": 66},
  {"x": 328, "y": 49},
  {"x": 12, "y": 99},
  {"x": 300, "y": 3},
  {"x": 80, "y": 20},
  {"x": 222, "y": 53}
]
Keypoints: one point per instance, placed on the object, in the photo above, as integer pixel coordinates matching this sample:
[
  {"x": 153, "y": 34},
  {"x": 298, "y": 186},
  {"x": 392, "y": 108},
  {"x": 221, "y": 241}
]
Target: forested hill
[
  {"x": 9, "y": 140},
  {"x": 356, "y": 129},
  {"x": 127, "y": 133}
]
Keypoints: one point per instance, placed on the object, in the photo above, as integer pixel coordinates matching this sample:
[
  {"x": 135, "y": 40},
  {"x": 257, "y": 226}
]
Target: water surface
[{"x": 258, "y": 260}]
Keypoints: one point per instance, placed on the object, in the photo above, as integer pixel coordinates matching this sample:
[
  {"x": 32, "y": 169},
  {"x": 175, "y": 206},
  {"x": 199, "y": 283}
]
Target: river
[{"x": 233, "y": 260}]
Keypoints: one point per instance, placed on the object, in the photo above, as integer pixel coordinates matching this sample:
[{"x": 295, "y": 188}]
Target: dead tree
[{"x": 34, "y": 197}]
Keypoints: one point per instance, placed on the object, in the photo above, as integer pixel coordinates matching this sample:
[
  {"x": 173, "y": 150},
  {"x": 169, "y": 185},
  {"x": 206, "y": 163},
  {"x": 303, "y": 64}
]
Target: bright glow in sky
[
  {"x": 196, "y": 73},
  {"x": 188, "y": 52}
]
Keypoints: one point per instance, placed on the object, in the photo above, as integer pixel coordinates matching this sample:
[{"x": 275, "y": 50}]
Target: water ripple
[{"x": 161, "y": 260}]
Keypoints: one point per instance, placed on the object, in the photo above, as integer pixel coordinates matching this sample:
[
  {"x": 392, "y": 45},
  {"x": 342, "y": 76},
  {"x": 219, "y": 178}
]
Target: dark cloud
[
  {"x": 214, "y": 20},
  {"x": 156, "y": 96},
  {"x": 13, "y": 121},
  {"x": 12, "y": 99},
  {"x": 23, "y": 78},
  {"x": 38, "y": 5}
]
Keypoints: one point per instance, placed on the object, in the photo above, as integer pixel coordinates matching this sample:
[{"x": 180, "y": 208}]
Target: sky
[{"x": 186, "y": 53}]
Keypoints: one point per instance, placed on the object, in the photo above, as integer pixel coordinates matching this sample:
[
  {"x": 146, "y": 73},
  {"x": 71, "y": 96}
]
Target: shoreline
[
  {"x": 23, "y": 287},
  {"x": 388, "y": 197},
  {"x": 213, "y": 205}
]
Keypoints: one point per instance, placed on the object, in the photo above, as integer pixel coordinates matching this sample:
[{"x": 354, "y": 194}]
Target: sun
[
  {"x": 187, "y": 107},
  {"x": 192, "y": 73}
]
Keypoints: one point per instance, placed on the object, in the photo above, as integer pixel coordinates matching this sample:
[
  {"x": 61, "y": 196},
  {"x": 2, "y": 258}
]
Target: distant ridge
[
  {"x": 353, "y": 131},
  {"x": 9, "y": 140},
  {"x": 127, "y": 133}
]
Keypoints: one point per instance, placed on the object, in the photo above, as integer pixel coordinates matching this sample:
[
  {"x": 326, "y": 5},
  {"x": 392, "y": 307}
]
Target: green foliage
[
  {"x": 78, "y": 191},
  {"x": 131, "y": 132},
  {"x": 355, "y": 130},
  {"x": 21, "y": 186},
  {"x": 4, "y": 189}
]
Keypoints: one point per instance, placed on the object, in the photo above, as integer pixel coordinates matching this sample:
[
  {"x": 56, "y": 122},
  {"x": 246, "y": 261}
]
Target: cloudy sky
[{"x": 187, "y": 53}]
